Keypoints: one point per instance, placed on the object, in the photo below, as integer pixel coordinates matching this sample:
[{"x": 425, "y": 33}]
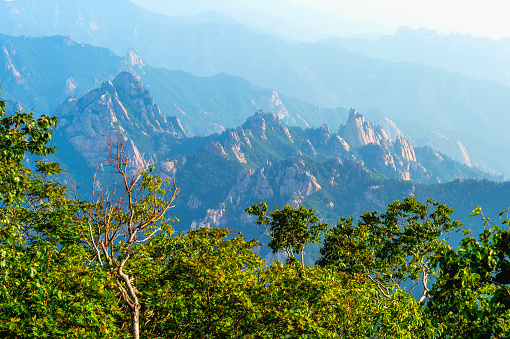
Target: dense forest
[{"x": 112, "y": 266}]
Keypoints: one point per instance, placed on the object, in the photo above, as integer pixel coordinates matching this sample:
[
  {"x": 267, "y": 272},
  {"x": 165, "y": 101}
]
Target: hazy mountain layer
[
  {"x": 477, "y": 57},
  {"x": 262, "y": 159},
  {"x": 42, "y": 72},
  {"x": 421, "y": 99}
]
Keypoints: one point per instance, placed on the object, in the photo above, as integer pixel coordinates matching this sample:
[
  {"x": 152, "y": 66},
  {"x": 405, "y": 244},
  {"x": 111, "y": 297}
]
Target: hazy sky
[{"x": 309, "y": 19}]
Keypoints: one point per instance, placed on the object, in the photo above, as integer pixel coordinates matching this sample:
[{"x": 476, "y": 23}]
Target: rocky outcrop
[
  {"x": 120, "y": 109},
  {"x": 404, "y": 149},
  {"x": 358, "y": 132},
  {"x": 333, "y": 143},
  {"x": 288, "y": 181},
  {"x": 391, "y": 129},
  {"x": 71, "y": 88},
  {"x": 396, "y": 161},
  {"x": 12, "y": 69},
  {"x": 339, "y": 147},
  {"x": 132, "y": 59},
  {"x": 215, "y": 148},
  {"x": 236, "y": 140},
  {"x": 272, "y": 103},
  {"x": 449, "y": 146},
  {"x": 261, "y": 122}
]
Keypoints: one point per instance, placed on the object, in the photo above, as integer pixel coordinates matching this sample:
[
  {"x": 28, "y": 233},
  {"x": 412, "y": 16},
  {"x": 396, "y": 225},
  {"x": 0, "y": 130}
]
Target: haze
[{"x": 316, "y": 19}]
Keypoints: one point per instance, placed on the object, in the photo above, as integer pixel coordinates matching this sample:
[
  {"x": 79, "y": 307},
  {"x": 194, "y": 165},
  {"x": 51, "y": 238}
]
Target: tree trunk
[{"x": 135, "y": 316}]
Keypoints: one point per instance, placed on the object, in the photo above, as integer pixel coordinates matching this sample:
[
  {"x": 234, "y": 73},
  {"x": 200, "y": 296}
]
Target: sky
[{"x": 315, "y": 19}]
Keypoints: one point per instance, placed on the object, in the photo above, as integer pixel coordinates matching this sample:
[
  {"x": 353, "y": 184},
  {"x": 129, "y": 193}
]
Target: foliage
[
  {"x": 77, "y": 269},
  {"x": 290, "y": 228},
  {"x": 30, "y": 200},
  {"x": 50, "y": 292},
  {"x": 471, "y": 296},
  {"x": 20, "y": 133},
  {"x": 327, "y": 303},
  {"x": 390, "y": 248},
  {"x": 214, "y": 286},
  {"x": 205, "y": 288},
  {"x": 122, "y": 219},
  {"x": 33, "y": 204},
  {"x": 46, "y": 289}
]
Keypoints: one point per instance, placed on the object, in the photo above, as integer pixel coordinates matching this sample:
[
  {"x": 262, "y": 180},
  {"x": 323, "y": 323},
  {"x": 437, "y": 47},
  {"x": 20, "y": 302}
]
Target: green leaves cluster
[
  {"x": 50, "y": 292},
  {"x": 290, "y": 228},
  {"x": 47, "y": 289},
  {"x": 392, "y": 247},
  {"x": 471, "y": 297},
  {"x": 215, "y": 286}
]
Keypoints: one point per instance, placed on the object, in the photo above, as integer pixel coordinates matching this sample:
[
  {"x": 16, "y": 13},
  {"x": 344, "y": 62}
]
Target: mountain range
[
  {"x": 359, "y": 167},
  {"x": 215, "y": 101},
  {"x": 422, "y": 98}
]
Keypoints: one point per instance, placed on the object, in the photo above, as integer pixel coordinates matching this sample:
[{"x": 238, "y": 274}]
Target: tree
[
  {"x": 471, "y": 296},
  {"x": 327, "y": 303},
  {"x": 48, "y": 291},
  {"x": 290, "y": 228},
  {"x": 203, "y": 287},
  {"x": 24, "y": 194},
  {"x": 390, "y": 248},
  {"x": 45, "y": 287},
  {"x": 123, "y": 218},
  {"x": 210, "y": 285}
]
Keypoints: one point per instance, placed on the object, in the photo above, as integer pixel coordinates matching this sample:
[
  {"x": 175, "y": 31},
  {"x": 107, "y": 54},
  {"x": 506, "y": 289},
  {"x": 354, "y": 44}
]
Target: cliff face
[
  {"x": 404, "y": 149},
  {"x": 263, "y": 126},
  {"x": 449, "y": 146},
  {"x": 13, "y": 73},
  {"x": 133, "y": 59},
  {"x": 287, "y": 181},
  {"x": 123, "y": 109},
  {"x": 358, "y": 132},
  {"x": 394, "y": 159},
  {"x": 272, "y": 103},
  {"x": 333, "y": 142},
  {"x": 256, "y": 124}
]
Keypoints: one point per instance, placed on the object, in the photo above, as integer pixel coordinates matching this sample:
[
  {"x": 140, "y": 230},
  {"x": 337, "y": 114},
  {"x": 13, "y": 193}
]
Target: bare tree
[{"x": 123, "y": 215}]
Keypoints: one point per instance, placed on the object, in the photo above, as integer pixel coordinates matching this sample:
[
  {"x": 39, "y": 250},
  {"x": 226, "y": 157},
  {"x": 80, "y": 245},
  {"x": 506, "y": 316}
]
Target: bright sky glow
[
  {"x": 488, "y": 18},
  {"x": 322, "y": 18}
]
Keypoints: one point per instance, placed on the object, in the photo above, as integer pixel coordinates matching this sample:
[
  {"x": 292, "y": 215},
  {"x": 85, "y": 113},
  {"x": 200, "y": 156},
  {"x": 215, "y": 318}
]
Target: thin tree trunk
[{"x": 136, "y": 321}]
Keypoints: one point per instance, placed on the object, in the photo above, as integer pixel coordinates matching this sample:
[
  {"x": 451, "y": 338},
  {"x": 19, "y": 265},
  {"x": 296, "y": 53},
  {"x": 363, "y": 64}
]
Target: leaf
[{"x": 33, "y": 272}]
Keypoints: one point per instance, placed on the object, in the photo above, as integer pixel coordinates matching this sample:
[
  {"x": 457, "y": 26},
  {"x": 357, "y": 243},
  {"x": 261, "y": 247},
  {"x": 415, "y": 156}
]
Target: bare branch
[{"x": 94, "y": 243}]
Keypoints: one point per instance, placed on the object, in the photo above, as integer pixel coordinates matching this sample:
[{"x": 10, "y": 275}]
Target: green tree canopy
[
  {"x": 392, "y": 247},
  {"x": 471, "y": 296},
  {"x": 290, "y": 228}
]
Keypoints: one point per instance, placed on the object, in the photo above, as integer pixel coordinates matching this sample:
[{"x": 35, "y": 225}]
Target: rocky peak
[
  {"x": 449, "y": 146},
  {"x": 325, "y": 134},
  {"x": 404, "y": 149},
  {"x": 133, "y": 59},
  {"x": 271, "y": 102},
  {"x": 391, "y": 129},
  {"x": 259, "y": 123},
  {"x": 358, "y": 132},
  {"x": 71, "y": 88},
  {"x": 129, "y": 83},
  {"x": 119, "y": 106}
]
